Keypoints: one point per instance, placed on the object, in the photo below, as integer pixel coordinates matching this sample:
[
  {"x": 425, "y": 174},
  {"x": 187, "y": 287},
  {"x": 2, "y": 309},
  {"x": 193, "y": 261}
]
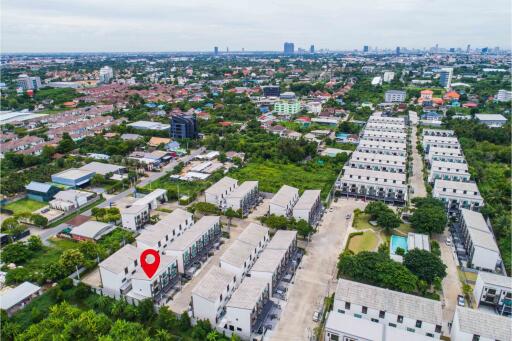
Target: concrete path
[
  {"x": 316, "y": 277},
  {"x": 416, "y": 180}
]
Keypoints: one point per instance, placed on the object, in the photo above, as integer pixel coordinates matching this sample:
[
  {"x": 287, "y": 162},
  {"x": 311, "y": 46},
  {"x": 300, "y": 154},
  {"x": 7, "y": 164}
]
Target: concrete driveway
[
  {"x": 416, "y": 180},
  {"x": 316, "y": 277}
]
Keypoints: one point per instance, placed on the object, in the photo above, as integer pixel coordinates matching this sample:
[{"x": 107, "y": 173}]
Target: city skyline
[{"x": 197, "y": 26}]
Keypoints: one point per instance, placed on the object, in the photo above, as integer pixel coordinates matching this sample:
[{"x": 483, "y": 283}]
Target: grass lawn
[
  {"x": 365, "y": 242},
  {"x": 404, "y": 229},
  {"x": 49, "y": 254},
  {"x": 189, "y": 188},
  {"x": 361, "y": 222},
  {"x": 272, "y": 176},
  {"x": 25, "y": 206}
]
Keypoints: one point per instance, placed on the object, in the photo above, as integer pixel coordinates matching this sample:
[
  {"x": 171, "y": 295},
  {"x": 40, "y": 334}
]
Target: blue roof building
[
  {"x": 73, "y": 177},
  {"x": 431, "y": 116},
  {"x": 41, "y": 191}
]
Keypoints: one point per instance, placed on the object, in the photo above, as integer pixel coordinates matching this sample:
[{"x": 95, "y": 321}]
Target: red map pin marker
[{"x": 149, "y": 268}]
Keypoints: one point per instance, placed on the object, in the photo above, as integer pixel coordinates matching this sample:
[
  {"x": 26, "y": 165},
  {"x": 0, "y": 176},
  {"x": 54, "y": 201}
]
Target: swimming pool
[
  {"x": 342, "y": 136},
  {"x": 397, "y": 242}
]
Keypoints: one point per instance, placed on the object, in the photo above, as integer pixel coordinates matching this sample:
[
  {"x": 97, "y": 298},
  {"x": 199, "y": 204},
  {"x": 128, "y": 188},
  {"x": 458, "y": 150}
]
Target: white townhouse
[
  {"x": 255, "y": 235},
  {"x": 438, "y": 132},
  {"x": 413, "y": 314},
  {"x": 244, "y": 197},
  {"x": 495, "y": 291},
  {"x": 375, "y": 185},
  {"x": 384, "y": 136},
  {"x": 195, "y": 242},
  {"x": 378, "y": 162},
  {"x": 454, "y": 171},
  {"x": 445, "y": 154},
  {"x": 308, "y": 207},
  {"x": 283, "y": 201},
  {"x": 211, "y": 294},
  {"x": 134, "y": 217},
  {"x": 271, "y": 265},
  {"x": 440, "y": 141},
  {"x": 476, "y": 325},
  {"x": 116, "y": 271},
  {"x": 152, "y": 200},
  {"x": 164, "y": 232},
  {"x": 157, "y": 286},
  {"x": 373, "y": 126},
  {"x": 245, "y": 308},
  {"x": 388, "y": 148},
  {"x": 400, "y": 121},
  {"x": 216, "y": 194},
  {"x": 284, "y": 240},
  {"x": 456, "y": 195},
  {"x": 481, "y": 247}
]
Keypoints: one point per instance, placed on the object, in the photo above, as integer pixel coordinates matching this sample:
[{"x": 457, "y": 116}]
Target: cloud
[{"x": 192, "y": 25}]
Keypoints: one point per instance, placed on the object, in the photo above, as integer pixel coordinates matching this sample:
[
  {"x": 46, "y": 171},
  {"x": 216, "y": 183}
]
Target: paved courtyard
[{"x": 316, "y": 276}]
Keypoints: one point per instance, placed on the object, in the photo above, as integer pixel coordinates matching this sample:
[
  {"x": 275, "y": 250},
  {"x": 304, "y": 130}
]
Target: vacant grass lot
[
  {"x": 272, "y": 176},
  {"x": 366, "y": 242},
  {"x": 49, "y": 254},
  {"x": 25, "y": 206},
  {"x": 189, "y": 188}
]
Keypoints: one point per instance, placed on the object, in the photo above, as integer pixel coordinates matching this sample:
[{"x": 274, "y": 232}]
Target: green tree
[
  {"x": 70, "y": 259},
  {"x": 15, "y": 253},
  {"x": 66, "y": 144},
  {"x": 129, "y": 331},
  {"x": 425, "y": 265},
  {"x": 34, "y": 243},
  {"x": 388, "y": 220},
  {"x": 39, "y": 220},
  {"x": 429, "y": 219}
]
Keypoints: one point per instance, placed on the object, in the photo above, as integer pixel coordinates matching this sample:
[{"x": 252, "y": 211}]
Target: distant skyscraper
[
  {"x": 106, "y": 74},
  {"x": 312, "y": 49},
  {"x": 452, "y": 49},
  {"x": 445, "y": 77},
  {"x": 485, "y": 50},
  {"x": 365, "y": 48},
  {"x": 437, "y": 48},
  {"x": 183, "y": 127},
  {"x": 468, "y": 49},
  {"x": 289, "y": 48},
  {"x": 398, "y": 50},
  {"x": 216, "y": 50}
]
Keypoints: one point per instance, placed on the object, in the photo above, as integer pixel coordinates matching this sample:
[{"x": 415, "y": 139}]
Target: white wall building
[
  {"x": 475, "y": 325},
  {"x": 378, "y": 162},
  {"x": 388, "y": 76},
  {"x": 134, "y": 217},
  {"x": 440, "y": 141},
  {"x": 454, "y": 171},
  {"x": 106, "y": 74},
  {"x": 492, "y": 120},
  {"x": 244, "y": 197},
  {"x": 216, "y": 194},
  {"x": 395, "y": 96},
  {"x": 283, "y": 201},
  {"x": 308, "y": 207},
  {"x": 438, "y": 132},
  {"x": 384, "y": 136},
  {"x": 494, "y": 291},
  {"x": 376, "y": 126},
  {"x": 503, "y": 95},
  {"x": 456, "y": 195},
  {"x": 270, "y": 266},
  {"x": 116, "y": 271},
  {"x": 376, "y": 147},
  {"x": 156, "y": 286},
  {"x": 445, "y": 154},
  {"x": 399, "y": 121},
  {"x": 70, "y": 199},
  {"x": 164, "y": 232}
]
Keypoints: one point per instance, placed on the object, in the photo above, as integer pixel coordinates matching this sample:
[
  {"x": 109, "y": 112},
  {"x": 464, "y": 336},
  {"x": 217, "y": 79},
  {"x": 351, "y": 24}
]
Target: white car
[
  {"x": 449, "y": 241},
  {"x": 316, "y": 316},
  {"x": 348, "y": 216}
]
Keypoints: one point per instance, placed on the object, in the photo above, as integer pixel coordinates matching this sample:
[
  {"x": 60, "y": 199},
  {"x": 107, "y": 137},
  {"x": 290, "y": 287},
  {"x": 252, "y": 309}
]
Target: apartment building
[
  {"x": 453, "y": 171},
  {"x": 211, "y": 294},
  {"x": 116, "y": 271},
  {"x": 456, "y": 195},
  {"x": 494, "y": 291},
  {"x": 438, "y": 132},
  {"x": 445, "y": 154},
  {"x": 440, "y": 141},
  {"x": 384, "y": 136},
  {"x": 375, "y": 185},
  {"x": 216, "y": 194},
  {"x": 412, "y": 314},
  {"x": 308, "y": 207},
  {"x": 283, "y": 201},
  {"x": 157, "y": 286},
  {"x": 478, "y": 241},
  {"x": 376, "y": 147},
  {"x": 244, "y": 197},
  {"x": 378, "y": 162},
  {"x": 395, "y": 96},
  {"x": 164, "y": 232},
  {"x": 476, "y": 325},
  {"x": 247, "y": 307},
  {"x": 195, "y": 242}
]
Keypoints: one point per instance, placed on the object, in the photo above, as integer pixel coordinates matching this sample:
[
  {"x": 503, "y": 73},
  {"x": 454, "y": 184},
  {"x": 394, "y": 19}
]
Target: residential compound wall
[{"x": 377, "y": 169}]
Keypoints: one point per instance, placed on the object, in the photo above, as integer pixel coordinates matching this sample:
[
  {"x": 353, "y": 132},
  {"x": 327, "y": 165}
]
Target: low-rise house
[
  {"x": 71, "y": 199},
  {"x": 495, "y": 291},
  {"x": 116, "y": 271},
  {"x": 389, "y": 148},
  {"x": 159, "y": 284},
  {"x": 456, "y": 195},
  {"x": 103, "y": 168},
  {"x": 440, "y": 141},
  {"x": 91, "y": 230},
  {"x": 246, "y": 308},
  {"x": 244, "y": 197},
  {"x": 478, "y": 240},
  {"x": 17, "y": 298},
  {"x": 454, "y": 171},
  {"x": 41, "y": 191},
  {"x": 492, "y": 120},
  {"x": 238, "y": 259},
  {"x": 216, "y": 194},
  {"x": 73, "y": 177},
  {"x": 160, "y": 235},
  {"x": 211, "y": 294},
  {"x": 308, "y": 207},
  {"x": 283, "y": 201},
  {"x": 195, "y": 242},
  {"x": 134, "y": 217},
  {"x": 271, "y": 265},
  {"x": 475, "y": 325},
  {"x": 445, "y": 154},
  {"x": 376, "y": 126},
  {"x": 384, "y": 136},
  {"x": 438, "y": 132}
]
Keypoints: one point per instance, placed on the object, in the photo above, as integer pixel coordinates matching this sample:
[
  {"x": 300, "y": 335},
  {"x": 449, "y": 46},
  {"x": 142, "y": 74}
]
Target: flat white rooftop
[
  {"x": 121, "y": 258},
  {"x": 307, "y": 199},
  {"x": 248, "y": 293},
  {"x": 284, "y": 196},
  {"x": 194, "y": 233},
  {"x": 253, "y": 234},
  {"x": 213, "y": 284},
  {"x": 269, "y": 260},
  {"x": 222, "y": 186},
  {"x": 282, "y": 240},
  {"x": 237, "y": 254},
  {"x": 486, "y": 325}
]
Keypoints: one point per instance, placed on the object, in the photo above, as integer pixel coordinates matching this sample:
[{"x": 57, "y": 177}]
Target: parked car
[
  {"x": 461, "y": 301},
  {"x": 348, "y": 216},
  {"x": 316, "y": 316},
  {"x": 449, "y": 241}
]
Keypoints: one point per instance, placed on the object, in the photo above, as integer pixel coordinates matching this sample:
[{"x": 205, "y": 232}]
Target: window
[
  {"x": 400, "y": 319},
  {"x": 364, "y": 310},
  {"x": 430, "y": 335},
  {"x": 418, "y": 324},
  {"x": 375, "y": 320},
  {"x": 231, "y": 328},
  {"x": 392, "y": 325},
  {"x": 347, "y": 305},
  {"x": 412, "y": 330},
  {"x": 239, "y": 329},
  {"x": 476, "y": 338},
  {"x": 438, "y": 328},
  {"x": 334, "y": 337},
  {"x": 358, "y": 316},
  {"x": 382, "y": 314},
  {"x": 125, "y": 270}
]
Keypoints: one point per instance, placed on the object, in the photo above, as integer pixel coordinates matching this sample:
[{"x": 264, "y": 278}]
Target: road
[
  {"x": 316, "y": 276},
  {"x": 416, "y": 179}
]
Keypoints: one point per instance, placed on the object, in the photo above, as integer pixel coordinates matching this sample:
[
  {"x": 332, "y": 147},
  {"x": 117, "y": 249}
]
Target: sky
[{"x": 257, "y": 25}]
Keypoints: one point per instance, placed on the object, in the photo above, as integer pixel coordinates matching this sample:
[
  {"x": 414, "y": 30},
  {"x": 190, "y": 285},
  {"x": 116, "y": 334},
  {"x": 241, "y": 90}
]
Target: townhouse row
[
  {"x": 226, "y": 193},
  {"x": 377, "y": 168},
  {"x": 286, "y": 202}
]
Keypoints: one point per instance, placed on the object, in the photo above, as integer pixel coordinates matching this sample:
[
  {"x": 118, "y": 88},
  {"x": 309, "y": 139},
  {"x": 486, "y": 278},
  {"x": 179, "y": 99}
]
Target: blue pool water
[
  {"x": 341, "y": 136},
  {"x": 396, "y": 242}
]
